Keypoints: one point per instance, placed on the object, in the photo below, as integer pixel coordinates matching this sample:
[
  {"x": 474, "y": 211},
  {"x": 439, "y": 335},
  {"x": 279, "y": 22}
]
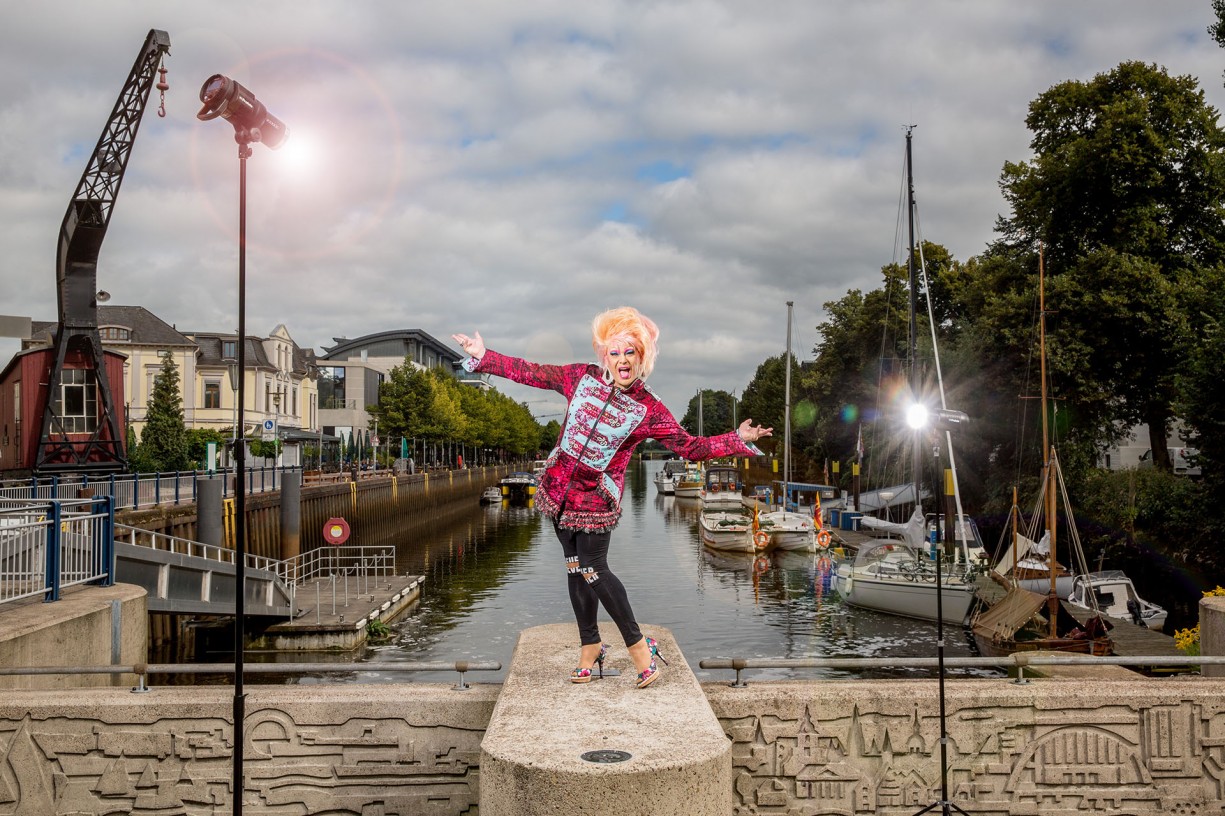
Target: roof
[
  {"x": 147, "y": 329},
  {"x": 344, "y": 345}
]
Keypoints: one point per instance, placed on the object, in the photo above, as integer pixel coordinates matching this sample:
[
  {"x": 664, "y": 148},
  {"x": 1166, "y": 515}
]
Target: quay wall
[
  {"x": 848, "y": 747},
  {"x": 378, "y": 507}
]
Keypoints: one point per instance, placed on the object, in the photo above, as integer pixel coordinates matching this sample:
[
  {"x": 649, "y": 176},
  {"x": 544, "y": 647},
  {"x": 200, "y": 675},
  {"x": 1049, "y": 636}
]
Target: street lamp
[
  {"x": 276, "y": 425},
  {"x": 222, "y": 96},
  {"x": 918, "y": 417}
]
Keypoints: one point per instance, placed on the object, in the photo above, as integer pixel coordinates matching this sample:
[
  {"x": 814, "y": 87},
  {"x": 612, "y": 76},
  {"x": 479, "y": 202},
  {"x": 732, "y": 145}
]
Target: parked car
[{"x": 1184, "y": 460}]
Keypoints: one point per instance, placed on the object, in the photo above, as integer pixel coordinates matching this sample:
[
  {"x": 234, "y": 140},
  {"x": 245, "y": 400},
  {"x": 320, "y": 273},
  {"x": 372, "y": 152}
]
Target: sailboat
[
  {"x": 787, "y": 529},
  {"x": 898, "y": 574},
  {"x": 1024, "y": 620}
]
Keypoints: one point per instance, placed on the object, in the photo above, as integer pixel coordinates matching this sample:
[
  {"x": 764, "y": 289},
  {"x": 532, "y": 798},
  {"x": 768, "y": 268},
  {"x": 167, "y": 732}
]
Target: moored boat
[
  {"x": 665, "y": 478},
  {"x": 689, "y": 483},
  {"x": 519, "y": 486},
  {"x": 721, "y": 487},
  {"x": 730, "y": 532},
  {"x": 491, "y": 495},
  {"x": 1114, "y": 594},
  {"x": 1022, "y": 620}
]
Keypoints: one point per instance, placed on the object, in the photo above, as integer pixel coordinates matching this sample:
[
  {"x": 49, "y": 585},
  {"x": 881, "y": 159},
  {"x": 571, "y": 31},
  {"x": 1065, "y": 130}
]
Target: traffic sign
[{"x": 268, "y": 432}]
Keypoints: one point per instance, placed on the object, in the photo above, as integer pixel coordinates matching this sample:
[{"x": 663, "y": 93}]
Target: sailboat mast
[
  {"x": 787, "y": 412},
  {"x": 1048, "y": 496},
  {"x": 912, "y": 274}
]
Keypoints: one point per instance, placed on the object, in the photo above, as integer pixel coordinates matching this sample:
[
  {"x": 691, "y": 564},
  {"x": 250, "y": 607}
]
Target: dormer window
[
  {"x": 115, "y": 334},
  {"x": 229, "y": 349}
]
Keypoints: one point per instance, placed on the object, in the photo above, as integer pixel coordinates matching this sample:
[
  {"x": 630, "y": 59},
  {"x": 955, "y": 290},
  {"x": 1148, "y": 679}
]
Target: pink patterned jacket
[{"x": 603, "y": 426}]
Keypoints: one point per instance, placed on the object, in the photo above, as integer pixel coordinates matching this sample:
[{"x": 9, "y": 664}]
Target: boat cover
[
  {"x": 1008, "y": 614},
  {"x": 913, "y": 532}
]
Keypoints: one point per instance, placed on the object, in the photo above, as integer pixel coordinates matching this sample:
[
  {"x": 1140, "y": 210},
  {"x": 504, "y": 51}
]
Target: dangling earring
[{"x": 607, "y": 377}]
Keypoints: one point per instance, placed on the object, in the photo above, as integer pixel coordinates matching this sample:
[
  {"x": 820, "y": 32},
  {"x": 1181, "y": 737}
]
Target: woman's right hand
[{"x": 473, "y": 346}]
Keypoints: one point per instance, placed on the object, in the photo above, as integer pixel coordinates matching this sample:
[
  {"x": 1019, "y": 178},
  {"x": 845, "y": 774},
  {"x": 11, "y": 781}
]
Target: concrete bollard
[
  {"x": 604, "y": 747},
  {"x": 209, "y": 526},
  {"x": 1212, "y": 632}
]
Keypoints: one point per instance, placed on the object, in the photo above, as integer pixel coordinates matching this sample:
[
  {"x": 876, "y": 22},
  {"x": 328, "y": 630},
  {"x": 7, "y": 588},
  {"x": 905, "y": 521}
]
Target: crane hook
[{"x": 162, "y": 86}]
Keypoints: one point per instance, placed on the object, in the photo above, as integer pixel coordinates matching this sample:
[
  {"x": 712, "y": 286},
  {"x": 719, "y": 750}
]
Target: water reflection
[{"x": 502, "y": 571}]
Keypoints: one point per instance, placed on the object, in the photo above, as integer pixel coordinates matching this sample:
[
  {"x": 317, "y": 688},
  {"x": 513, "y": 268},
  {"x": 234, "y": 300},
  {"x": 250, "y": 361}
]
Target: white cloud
[{"x": 516, "y": 168}]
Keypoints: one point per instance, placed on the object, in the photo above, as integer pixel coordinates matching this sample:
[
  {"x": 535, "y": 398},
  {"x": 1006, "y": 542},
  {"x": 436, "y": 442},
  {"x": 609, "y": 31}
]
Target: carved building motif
[
  {"x": 875, "y": 757},
  {"x": 369, "y": 766}
]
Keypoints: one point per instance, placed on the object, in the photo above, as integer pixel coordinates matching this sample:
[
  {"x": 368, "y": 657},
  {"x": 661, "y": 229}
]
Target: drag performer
[{"x": 611, "y": 410}]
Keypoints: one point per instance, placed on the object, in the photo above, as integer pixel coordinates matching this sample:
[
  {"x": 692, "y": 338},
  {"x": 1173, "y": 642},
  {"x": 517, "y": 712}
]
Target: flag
[
  {"x": 859, "y": 445},
  {"x": 825, "y": 473}
]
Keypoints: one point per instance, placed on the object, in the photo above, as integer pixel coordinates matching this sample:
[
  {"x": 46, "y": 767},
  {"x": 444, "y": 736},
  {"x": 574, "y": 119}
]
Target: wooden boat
[
  {"x": 1030, "y": 621},
  {"x": 689, "y": 483}
]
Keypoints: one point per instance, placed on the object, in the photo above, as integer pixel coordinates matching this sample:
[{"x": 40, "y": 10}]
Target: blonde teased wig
[{"x": 626, "y": 323}]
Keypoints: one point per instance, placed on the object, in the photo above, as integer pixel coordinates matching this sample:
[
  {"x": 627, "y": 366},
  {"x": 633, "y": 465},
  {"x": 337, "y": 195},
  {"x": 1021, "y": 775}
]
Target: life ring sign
[
  {"x": 823, "y": 539},
  {"x": 761, "y": 539},
  {"x": 336, "y": 531}
]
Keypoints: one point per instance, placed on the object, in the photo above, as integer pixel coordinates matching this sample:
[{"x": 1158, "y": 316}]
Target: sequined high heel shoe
[
  {"x": 651, "y": 673},
  {"x": 581, "y": 675}
]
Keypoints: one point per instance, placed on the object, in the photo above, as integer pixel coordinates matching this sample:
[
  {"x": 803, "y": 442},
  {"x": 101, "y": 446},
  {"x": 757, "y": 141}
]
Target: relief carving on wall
[
  {"x": 381, "y": 766},
  {"x": 869, "y": 758}
]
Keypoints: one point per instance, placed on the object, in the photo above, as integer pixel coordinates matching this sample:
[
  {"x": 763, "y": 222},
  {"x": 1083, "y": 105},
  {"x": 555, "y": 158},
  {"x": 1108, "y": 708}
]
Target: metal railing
[
  {"x": 196, "y": 549},
  {"x": 48, "y": 546},
  {"x": 143, "y": 670},
  {"x": 1018, "y": 661},
  {"x": 133, "y": 491},
  {"x": 360, "y": 561}
]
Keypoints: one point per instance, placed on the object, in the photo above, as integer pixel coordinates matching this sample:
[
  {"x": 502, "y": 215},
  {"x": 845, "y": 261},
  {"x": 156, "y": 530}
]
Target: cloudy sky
[{"x": 516, "y": 167}]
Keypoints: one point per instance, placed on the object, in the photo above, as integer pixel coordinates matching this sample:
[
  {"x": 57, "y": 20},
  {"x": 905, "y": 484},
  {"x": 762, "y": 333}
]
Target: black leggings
[{"x": 592, "y": 583}]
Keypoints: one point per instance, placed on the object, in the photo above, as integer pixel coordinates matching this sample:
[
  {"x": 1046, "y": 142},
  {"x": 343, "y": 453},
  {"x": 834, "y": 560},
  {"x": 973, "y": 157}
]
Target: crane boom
[{"x": 97, "y": 444}]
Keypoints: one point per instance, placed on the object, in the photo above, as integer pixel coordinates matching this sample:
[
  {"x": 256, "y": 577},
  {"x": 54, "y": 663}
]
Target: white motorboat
[
  {"x": 491, "y": 495},
  {"x": 665, "y": 478},
  {"x": 721, "y": 488},
  {"x": 789, "y": 530},
  {"x": 1116, "y": 596},
  {"x": 730, "y": 532}
]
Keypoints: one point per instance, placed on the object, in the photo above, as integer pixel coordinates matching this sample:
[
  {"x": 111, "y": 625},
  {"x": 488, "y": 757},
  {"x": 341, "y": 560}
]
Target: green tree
[
  {"x": 549, "y": 435},
  {"x": 163, "y": 442},
  {"x": 197, "y": 445},
  {"x": 1127, "y": 193},
  {"x": 716, "y": 413}
]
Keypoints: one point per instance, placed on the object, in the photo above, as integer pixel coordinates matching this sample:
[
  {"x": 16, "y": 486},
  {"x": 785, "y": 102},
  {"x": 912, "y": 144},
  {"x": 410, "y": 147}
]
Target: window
[
  {"x": 212, "y": 394},
  {"x": 115, "y": 334},
  {"x": 331, "y": 387},
  {"x": 77, "y": 403},
  {"x": 229, "y": 349}
]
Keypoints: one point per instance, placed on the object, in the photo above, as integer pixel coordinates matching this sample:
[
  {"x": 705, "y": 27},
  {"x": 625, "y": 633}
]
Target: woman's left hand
[{"x": 751, "y": 433}]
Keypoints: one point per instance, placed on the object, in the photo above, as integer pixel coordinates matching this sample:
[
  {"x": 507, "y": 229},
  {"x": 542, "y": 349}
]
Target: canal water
[{"x": 502, "y": 571}]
